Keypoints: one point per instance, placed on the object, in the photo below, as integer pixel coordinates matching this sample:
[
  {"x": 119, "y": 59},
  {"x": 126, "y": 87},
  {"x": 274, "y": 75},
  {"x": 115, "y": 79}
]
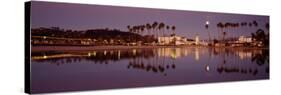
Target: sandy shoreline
[{"x": 87, "y": 48}]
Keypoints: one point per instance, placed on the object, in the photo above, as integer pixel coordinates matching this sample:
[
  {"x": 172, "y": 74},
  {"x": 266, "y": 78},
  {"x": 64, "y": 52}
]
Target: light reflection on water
[{"x": 103, "y": 69}]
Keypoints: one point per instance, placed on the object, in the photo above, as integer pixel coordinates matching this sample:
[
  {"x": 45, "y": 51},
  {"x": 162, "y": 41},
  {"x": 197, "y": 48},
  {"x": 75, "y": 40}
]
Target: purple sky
[{"x": 83, "y": 16}]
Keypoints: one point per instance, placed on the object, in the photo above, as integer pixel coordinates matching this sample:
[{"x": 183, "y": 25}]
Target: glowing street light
[{"x": 207, "y": 26}]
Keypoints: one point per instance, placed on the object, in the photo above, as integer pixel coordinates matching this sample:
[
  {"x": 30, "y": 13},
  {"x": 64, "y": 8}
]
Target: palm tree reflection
[
  {"x": 156, "y": 68},
  {"x": 159, "y": 60},
  {"x": 237, "y": 70},
  {"x": 258, "y": 56},
  {"x": 261, "y": 58}
]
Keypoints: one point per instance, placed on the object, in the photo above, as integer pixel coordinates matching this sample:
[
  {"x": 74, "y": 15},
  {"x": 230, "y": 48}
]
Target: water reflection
[
  {"x": 161, "y": 59},
  {"x": 261, "y": 57},
  {"x": 173, "y": 53},
  {"x": 67, "y": 70}
]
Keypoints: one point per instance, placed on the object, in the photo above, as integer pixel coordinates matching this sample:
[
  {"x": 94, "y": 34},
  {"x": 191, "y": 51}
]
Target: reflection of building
[
  {"x": 175, "y": 53},
  {"x": 197, "y": 54},
  {"x": 243, "y": 54}
]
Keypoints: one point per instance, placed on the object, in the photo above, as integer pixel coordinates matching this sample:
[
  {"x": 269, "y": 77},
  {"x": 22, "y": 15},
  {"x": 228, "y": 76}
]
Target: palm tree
[
  {"x": 241, "y": 24},
  {"x": 154, "y": 26},
  {"x": 142, "y": 28},
  {"x": 221, "y": 26},
  {"x": 250, "y": 24},
  {"x": 261, "y": 36},
  {"x": 267, "y": 29},
  {"x": 160, "y": 27},
  {"x": 130, "y": 30},
  {"x": 218, "y": 27},
  {"x": 167, "y": 28},
  {"x": 223, "y": 38},
  {"x": 174, "y": 40},
  {"x": 138, "y": 29},
  {"x": 163, "y": 27},
  {"x": 129, "y": 27},
  {"x": 207, "y": 26},
  {"x": 174, "y": 28},
  {"x": 237, "y": 25},
  {"x": 255, "y": 23},
  {"x": 148, "y": 27},
  {"x": 135, "y": 30},
  {"x": 244, "y": 24},
  {"x": 227, "y": 28},
  {"x": 232, "y": 28}
]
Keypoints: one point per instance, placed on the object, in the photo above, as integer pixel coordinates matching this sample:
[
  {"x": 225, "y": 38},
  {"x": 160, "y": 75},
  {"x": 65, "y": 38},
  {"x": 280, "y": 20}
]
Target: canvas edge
[{"x": 27, "y": 81}]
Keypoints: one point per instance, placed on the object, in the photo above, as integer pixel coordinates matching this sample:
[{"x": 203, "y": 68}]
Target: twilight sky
[{"x": 188, "y": 23}]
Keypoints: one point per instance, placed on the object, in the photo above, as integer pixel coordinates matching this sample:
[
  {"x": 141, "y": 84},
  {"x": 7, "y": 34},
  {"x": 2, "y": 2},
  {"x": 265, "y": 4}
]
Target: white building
[
  {"x": 177, "y": 40},
  {"x": 197, "y": 41},
  {"x": 243, "y": 39},
  {"x": 171, "y": 40}
]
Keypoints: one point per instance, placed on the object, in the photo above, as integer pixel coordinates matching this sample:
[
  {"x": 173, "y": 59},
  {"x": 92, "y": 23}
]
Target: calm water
[{"x": 54, "y": 71}]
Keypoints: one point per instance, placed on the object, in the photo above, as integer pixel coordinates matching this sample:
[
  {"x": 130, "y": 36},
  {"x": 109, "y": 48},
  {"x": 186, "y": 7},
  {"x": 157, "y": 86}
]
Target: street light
[{"x": 207, "y": 26}]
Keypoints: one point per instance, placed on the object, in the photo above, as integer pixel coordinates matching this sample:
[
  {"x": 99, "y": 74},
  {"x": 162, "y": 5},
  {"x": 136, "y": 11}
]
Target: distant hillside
[
  {"x": 90, "y": 33},
  {"x": 99, "y": 36}
]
